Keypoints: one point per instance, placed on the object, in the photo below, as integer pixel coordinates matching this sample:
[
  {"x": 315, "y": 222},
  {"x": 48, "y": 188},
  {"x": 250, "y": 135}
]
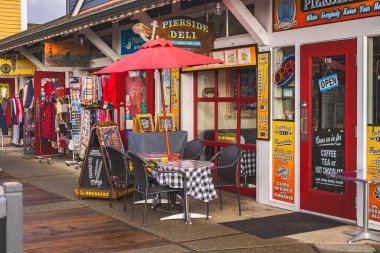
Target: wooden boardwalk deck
[{"x": 76, "y": 229}]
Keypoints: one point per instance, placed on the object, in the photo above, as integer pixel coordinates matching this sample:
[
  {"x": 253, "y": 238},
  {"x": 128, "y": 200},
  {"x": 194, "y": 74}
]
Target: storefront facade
[
  {"x": 301, "y": 103},
  {"x": 329, "y": 104}
]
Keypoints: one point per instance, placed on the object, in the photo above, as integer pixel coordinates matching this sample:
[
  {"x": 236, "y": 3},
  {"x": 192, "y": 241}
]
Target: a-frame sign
[{"x": 94, "y": 180}]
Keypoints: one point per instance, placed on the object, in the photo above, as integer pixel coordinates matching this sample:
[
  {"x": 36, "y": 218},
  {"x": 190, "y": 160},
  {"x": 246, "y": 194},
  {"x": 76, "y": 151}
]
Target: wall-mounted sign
[
  {"x": 263, "y": 122},
  {"x": 291, "y": 14},
  {"x": 66, "y": 55},
  {"x": 285, "y": 72},
  {"x": 175, "y": 96},
  {"x": 232, "y": 58},
  {"x": 130, "y": 42},
  {"x": 328, "y": 158},
  {"x": 187, "y": 32},
  {"x": 328, "y": 82},
  {"x": 13, "y": 67},
  {"x": 283, "y": 161},
  {"x": 373, "y": 171}
]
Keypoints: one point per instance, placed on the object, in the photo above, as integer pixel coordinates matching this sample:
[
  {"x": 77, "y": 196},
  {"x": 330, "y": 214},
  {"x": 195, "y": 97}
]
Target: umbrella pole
[{"x": 164, "y": 111}]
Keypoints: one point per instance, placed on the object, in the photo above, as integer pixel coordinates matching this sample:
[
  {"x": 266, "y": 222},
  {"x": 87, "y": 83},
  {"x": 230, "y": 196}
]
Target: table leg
[
  {"x": 187, "y": 216},
  {"x": 365, "y": 234}
]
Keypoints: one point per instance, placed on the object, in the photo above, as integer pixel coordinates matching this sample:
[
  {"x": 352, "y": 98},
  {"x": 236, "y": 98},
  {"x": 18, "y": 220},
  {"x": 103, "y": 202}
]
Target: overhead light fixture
[
  {"x": 218, "y": 7},
  {"x": 81, "y": 39}
]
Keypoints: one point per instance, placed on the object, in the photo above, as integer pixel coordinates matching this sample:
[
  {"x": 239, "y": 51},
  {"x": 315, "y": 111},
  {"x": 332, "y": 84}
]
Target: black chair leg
[
  {"x": 110, "y": 198},
  {"x": 238, "y": 195},
  {"x": 144, "y": 217},
  {"x": 133, "y": 203},
  {"x": 220, "y": 199},
  {"x": 125, "y": 198}
]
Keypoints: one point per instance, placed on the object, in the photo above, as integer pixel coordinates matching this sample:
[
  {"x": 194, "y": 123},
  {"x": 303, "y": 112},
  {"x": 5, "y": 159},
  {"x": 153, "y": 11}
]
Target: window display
[{"x": 283, "y": 80}]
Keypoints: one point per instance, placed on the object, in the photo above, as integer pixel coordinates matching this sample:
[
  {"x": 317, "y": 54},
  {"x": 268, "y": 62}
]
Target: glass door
[{"x": 328, "y": 121}]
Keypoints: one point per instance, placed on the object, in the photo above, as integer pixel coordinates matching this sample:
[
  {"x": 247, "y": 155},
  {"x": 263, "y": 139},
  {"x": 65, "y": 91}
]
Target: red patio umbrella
[{"x": 158, "y": 54}]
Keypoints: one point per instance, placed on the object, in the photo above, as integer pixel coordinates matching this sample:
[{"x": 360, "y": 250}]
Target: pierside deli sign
[{"x": 292, "y": 14}]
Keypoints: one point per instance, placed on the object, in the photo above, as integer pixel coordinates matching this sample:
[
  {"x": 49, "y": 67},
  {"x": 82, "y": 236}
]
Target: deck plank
[{"x": 82, "y": 230}]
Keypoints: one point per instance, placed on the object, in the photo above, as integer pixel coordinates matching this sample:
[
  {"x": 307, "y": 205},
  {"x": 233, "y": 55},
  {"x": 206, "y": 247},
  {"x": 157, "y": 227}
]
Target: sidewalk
[{"x": 57, "y": 221}]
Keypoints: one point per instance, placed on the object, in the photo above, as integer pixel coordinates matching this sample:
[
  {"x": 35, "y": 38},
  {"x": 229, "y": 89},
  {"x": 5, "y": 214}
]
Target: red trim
[
  {"x": 46, "y": 149},
  {"x": 340, "y": 205},
  {"x": 238, "y": 100}
]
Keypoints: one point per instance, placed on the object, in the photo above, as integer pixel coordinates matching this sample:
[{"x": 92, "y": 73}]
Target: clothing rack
[
  {"x": 75, "y": 118},
  {"x": 38, "y": 113}
]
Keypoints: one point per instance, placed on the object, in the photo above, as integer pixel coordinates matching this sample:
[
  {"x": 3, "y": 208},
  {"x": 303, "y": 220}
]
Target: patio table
[
  {"x": 358, "y": 176},
  {"x": 198, "y": 183}
]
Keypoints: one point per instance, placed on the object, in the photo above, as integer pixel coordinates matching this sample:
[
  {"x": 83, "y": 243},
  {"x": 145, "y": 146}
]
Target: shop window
[
  {"x": 206, "y": 84},
  {"x": 283, "y": 80},
  {"x": 227, "y": 124},
  {"x": 229, "y": 116},
  {"x": 227, "y": 83},
  {"x": 219, "y": 24},
  {"x": 234, "y": 26},
  {"x": 205, "y": 121},
  {"x": 373, "y": 97}
]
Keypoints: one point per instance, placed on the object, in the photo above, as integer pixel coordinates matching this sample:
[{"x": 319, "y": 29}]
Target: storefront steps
[{"x": 49, "y": 196}]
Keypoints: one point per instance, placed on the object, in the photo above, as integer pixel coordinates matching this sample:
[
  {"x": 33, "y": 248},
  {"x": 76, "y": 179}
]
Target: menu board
[
  {"x": 373, "y": 171},
  {"x": 162, "y": 123},
  {"x": 232, "y": 58},
  {"x": 283, "y": 151},
  {"x": 328, "y": 159},
  {"x": 263, "y": 96},
  {"x": 95, "y": 175},
  {"x": 110, "y": 136},
  {"x": 94, "y": 180},
  {"x": 145, "y": 122}
]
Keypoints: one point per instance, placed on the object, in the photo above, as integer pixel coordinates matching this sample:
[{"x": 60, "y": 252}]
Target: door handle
[
  {"x": 303, "y": 126},
  {"x": 304, "y": 121}
]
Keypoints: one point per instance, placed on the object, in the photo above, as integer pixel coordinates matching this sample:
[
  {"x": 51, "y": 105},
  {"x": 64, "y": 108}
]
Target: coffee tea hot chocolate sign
[{"x": 187, "y": 32}]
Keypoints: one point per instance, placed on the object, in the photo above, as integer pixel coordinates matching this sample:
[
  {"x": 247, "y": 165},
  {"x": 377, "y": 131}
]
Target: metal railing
[{"x": 11, "y": 218}]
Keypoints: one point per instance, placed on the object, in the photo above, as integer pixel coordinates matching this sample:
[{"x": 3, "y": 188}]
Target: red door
[{"x": 328, "y": 122}]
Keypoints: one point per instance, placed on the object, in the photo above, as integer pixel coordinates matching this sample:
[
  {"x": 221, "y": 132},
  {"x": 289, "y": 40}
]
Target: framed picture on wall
[
  {"x": 145, "y": 122},
  {"x": 169, "y": 122}
]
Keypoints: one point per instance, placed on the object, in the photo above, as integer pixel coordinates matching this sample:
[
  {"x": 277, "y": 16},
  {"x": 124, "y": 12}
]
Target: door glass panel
[
  {"x": 227, "y": 123},
  {"x": 205, "y": 121},
  {"x": 328, "y": 92},
  {"x": 328, "y": 121}
]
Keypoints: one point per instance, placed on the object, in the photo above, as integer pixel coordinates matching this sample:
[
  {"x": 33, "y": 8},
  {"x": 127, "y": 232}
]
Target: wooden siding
[{"x": 10, "y": 18}]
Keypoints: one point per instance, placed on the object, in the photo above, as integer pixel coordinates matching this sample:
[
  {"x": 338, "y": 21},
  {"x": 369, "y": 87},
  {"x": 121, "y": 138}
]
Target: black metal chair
[
  {"x": 120, "y": 174},
  {"x": 142, "y": 184},
  {"x": 227, "y": 171},
  {"x": 191, "y": 150}
]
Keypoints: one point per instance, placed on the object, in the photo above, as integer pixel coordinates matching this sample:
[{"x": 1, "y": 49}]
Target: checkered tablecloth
[
  {"x": 248, "y": 163},
  {"x": 198, "y": 177}
]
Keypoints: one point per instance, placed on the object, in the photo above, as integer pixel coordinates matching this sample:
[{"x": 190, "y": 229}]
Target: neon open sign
[{"x": 285, "y": 72}]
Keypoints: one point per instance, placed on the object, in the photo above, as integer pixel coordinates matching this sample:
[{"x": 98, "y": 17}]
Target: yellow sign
[
  {"x": 174, "y": 100},
  {"x": 283, "y": 161},
  {"x": 13, "y": 67},
  {"x": 232, "y": 58},
  {"x": 373, "y": 171},
  {"x": 263, "y": 97}
]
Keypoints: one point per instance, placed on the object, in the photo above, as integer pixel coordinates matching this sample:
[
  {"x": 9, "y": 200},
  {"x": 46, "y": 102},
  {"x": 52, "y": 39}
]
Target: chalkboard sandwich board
[
  {"x": 145, "y": 122},
  {"x": 94, "y": 180},
  {"x": 169, "y": 122}
]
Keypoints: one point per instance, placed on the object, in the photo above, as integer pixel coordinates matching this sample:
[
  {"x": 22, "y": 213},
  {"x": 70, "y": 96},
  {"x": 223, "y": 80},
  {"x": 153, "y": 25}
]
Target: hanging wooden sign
[{"x": 94, "y": 180}]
